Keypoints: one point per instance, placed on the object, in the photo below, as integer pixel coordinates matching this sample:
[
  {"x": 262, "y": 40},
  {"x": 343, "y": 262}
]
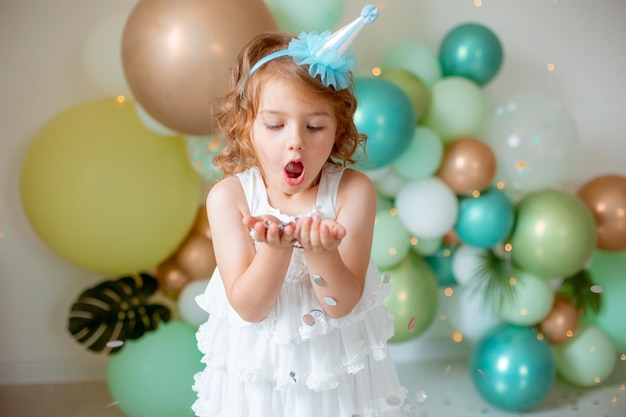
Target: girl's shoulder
[{"x": 226, "y": 191}]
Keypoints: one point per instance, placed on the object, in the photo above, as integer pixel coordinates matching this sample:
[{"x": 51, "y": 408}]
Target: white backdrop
[{"x": 41, "y": 74}]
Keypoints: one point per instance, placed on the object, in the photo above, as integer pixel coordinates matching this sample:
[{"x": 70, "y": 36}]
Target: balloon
[
  {"x": 101, "y": 56},
  {"x": 473, "y": 51},
  {"x": 535, "y": 142},
  {"x": 189, "y": 310},
  {"x": 605, "y": 196},
  {"x": 425, "y": 246},
  {"x": 562, "y": 321},
  {"x": 389, "y": 184},
  {"x": 413, "y": 298},
  {"x": 470, "y": 314},
  {"x": 391, "y": 240},
  {"x": 608, "y": 271},
  {"x": 441, "y": 263},
  {"x": 554, "y": 235},
  {"x": 201, "y": 150},
  {"x": 451, "y": 238},
  {"x": 152, "y": 124},
  {"x": 468, "y": 165},
  {"x": 153, "y": 375},
  {"x": 201, "y": 224},
  {"x": 422, "y": 157},
  {"x": 532, "y": 301},
  {"x": 587, "y": 359},
  {"x": 177, "y": 55},
  {"x": 196, "y": 257},
  {"x": 312, "y": 15},
  {"x": 385, "y": 114},
  {"x": 172, "y": 279},
  {"x": 485, "y": 220},
  {"x": 414, "y": 88},
  {"x": 427, "y": 208},
  {"x": 458, "y": 108},
  {"x": 511, "y": 368},
  {"x": 466, "y": 262},
  {"x": 416, "y": 58},
  {"x": 104, "y": 192}
]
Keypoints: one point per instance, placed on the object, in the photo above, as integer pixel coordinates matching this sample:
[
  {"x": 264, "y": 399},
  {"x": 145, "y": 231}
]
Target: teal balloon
[
  {"x": 441, "y": 263},
  {"x": 153, "y": 375},
  {"x": 413, "y": 299},
  {"x": 391, "y": 241},
  {"x": 422, "y": 157},
  {"x": 511, "y": 368},
  {"x": 608, "y": 270},
  {"x": 201, "y": 150},
  {"x": 485, "y": 220},
  {"x": 472, "y": 51},
  {"x": 386, "y": 115},
  {"x": 415, "y": 89},
  {"x": 554, "y": 234}
]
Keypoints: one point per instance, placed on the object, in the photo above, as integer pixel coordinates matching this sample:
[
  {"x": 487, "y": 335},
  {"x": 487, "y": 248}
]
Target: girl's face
[{"x": 293, "y": 134}]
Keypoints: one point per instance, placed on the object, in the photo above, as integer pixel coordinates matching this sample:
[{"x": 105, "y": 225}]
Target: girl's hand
[
  {"x": 268, "y": 229},
  {"x": 318, "y": 235}
]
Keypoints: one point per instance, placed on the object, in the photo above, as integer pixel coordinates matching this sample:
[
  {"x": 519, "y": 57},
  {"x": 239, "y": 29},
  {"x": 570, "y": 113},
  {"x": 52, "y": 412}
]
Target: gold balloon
[
  {"x": 467, "y": 165},
  {"x": 196, "y": 257},
  {"x": 562, "y": 321},
  {"x": 171, "y": 278},
  {"x": 605, "y": 196},
  {"x": 177, "y": 55},
  {"x": 201, "y": 224}
]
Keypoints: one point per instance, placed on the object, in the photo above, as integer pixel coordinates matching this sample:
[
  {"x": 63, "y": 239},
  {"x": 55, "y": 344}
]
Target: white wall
[{"x": 41, "y": 74}]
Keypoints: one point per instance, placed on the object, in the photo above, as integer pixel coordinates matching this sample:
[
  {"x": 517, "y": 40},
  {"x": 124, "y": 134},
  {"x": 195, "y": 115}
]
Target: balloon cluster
[{"x": 470, "y": 200}]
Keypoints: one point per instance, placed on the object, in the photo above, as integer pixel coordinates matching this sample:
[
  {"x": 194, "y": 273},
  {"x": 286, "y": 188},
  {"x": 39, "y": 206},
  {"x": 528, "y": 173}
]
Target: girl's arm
[
  {"x": 339, "y": 251},
  {"x": 252, "y": 279}
]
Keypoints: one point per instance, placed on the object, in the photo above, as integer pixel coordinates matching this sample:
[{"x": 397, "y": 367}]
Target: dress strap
[{"x": 327, "y": 190}]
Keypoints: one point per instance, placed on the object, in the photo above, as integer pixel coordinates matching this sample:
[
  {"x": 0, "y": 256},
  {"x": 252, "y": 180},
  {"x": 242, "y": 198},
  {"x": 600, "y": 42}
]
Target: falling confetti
[
  {"x": 483, "y": 373},
  {"x": 420, "y": 396},
  {"x": 317, "y": 279},
  {"x": 412, "y": 323},
  {"x": 115, "y": 343},
  {"x": 330, "y": 301}
]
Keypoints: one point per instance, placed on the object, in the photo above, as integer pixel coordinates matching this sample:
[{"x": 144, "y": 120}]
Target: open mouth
[{"x": 294, "y": 172}]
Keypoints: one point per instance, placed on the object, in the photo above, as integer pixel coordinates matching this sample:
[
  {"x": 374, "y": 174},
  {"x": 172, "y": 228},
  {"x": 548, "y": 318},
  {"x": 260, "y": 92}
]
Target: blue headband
[{"x": 327, "y": 55}]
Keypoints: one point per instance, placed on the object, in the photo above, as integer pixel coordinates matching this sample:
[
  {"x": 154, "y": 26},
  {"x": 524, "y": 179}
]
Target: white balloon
[
  {"x": 470, "y": 314},
  {"x": 465, "y": 262},
  {"x": 102, "y": 56},
  {"x": 189, "y": 311},
  {"x": 389, "y": 184},
  {"x": 428, "y": 207}
]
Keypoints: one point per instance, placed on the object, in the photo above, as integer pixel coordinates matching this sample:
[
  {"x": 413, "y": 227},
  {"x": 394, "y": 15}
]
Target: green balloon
[
  {"x": 423, "y": 156},
  {"x": 414, "y": 88},
  {"x": 532, "y": 301},
  {"x": 153, "y": 375},
  {"x": 555, "y": 234},
  {"x": 391, "y": 240},
  {"x": 413, "y": 299},
  {"x": 415, "y": 57},
  {"x": 587, "y": 359},
  {"x": 297, "y": 16},
  {"x": 608, "y": 270},
  {"x": 104, "y": 192}
]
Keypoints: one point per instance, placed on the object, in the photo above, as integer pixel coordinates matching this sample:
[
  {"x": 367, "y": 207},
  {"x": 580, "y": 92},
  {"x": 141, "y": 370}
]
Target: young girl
[{"x": 297, "y": 325}]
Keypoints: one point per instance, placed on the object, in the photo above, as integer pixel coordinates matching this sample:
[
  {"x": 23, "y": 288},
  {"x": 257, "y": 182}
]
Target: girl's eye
[
  {"x": 315, "y": 128},
  {"x": 273, "y": 127}
]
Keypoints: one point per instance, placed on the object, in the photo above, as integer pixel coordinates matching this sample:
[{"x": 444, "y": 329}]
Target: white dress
[{"x": 297, "y": 362}]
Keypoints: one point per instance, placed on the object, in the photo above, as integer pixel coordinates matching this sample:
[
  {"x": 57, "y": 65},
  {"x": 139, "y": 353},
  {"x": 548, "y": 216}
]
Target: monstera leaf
[{"x": 113, "y": 311}]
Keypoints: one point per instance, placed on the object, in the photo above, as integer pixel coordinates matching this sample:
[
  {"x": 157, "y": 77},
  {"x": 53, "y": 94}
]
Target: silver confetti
[
  {"x": 115, "y": 343},
  {"x": 317, "y": 313},
  {"x": 420, "y": 396},
  {"x": 308, "y": 319},
  {"x": 483, "y": 373},
  {"x": 330, "y": 301},
  {"x": 317, "y": 279}
]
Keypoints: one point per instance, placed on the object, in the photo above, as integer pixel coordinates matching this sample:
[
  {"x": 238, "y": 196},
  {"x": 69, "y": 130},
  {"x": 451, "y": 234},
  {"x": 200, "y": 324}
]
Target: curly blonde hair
[{"x": 238, "y": 109}]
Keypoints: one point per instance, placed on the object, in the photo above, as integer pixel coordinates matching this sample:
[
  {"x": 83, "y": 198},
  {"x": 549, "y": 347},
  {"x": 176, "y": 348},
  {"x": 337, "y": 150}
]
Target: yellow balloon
[{"x": 104, "y": 192}]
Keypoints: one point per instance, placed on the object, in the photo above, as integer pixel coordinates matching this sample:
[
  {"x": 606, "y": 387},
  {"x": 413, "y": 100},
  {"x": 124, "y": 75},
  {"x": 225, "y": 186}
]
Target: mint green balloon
[
  {"x": 414, "y": 88},
  {"x": 531, "y": 303},
  {"x": 153, "y": 375},
  {"x": 554, "y": 235},
  {"x": 426, "y": 246},
  {"x": 458, "y": 108},
  {"x": 608, "y": 270},
  {"x": 307, "y": 15},
  {"x": 416, "y": 58},
  {"x": 413, "y": 299},
  {"x": 391, "y": 240},
  {"x": 587, "y": 359},
  {"x": 422, "y": 157}
]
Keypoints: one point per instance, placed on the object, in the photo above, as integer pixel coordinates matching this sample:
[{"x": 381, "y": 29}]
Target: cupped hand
[
  {"x": 270, "y": 230},
  {"x": 318, "y": 235}
]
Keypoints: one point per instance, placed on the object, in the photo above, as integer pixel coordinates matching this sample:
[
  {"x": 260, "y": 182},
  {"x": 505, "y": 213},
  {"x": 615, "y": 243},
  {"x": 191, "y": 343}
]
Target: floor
[{"x": 437, "y": 388}]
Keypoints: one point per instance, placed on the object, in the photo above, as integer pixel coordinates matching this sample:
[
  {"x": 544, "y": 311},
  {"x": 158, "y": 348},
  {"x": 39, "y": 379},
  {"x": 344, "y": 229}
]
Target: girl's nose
[{"x": 295, "y": 140}]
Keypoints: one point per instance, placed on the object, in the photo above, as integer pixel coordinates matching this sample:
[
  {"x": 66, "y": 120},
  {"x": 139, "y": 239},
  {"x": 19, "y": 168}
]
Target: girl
[{"x": 297, "y": 327}]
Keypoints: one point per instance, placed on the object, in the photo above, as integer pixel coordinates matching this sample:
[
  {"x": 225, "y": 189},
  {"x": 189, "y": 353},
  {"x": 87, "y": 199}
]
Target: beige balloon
[
  {"x": 171, "y": 277},
  {"x": 177, "y": 55},
  {"x": 467, "y": 165},
  {"x": 196, "y": 257}
]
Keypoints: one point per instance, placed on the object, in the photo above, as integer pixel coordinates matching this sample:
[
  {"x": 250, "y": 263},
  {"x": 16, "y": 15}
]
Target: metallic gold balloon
[
  {"x": 171, "y": 277},
  {"x": 201, "y": 224},
  {"x": 468, "y": 165},
  {"x": 562, "y": 321},
  {"x": 196, "y": 257},
  {"x": 605, "y": 196},
  {"x": 177, "y": 55}
]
